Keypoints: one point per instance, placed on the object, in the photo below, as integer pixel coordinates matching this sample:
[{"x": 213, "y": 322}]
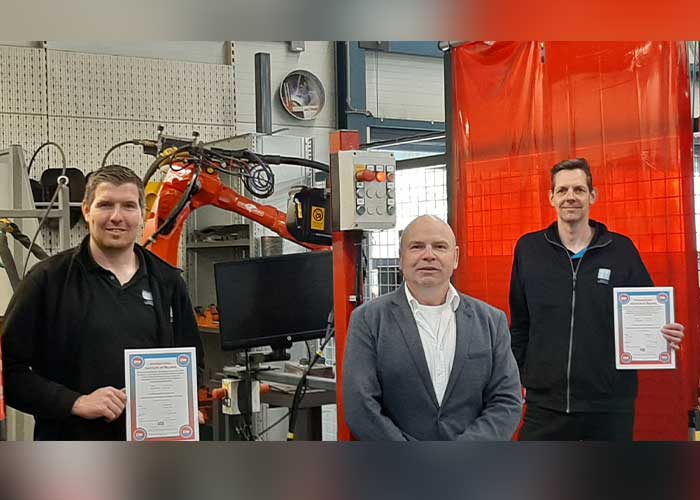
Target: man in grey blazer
[{"x": 426, "y": 362}]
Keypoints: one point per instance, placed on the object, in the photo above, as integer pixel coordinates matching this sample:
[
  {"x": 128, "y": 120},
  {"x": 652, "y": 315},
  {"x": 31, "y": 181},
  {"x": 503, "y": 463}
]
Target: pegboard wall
[
  {"x": 88, "y": 102},
  {"x": 23, "y": 107}
]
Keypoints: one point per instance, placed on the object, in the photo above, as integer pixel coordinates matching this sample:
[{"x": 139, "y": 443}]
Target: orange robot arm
[{"x": 208, "y": 190}]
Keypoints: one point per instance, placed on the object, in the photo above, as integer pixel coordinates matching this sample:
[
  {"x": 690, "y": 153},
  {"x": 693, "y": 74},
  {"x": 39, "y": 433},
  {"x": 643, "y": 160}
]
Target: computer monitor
[{"x": 273, "y": 301}]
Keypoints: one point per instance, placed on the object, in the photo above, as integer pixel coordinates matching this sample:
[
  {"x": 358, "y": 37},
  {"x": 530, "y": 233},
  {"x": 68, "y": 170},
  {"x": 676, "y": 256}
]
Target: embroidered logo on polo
[
  {"x": 147, "y": 297},
  {"x": 604, "y": 276}
]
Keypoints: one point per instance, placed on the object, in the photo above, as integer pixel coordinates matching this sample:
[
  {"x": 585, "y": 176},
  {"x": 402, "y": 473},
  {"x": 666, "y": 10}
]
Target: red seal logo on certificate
[
  {"x": 183, "y": 360},
  {"x": 139, "y": 434},
  {"x": 625, "y": 357},
  {"x": 186, "y": 431},
  {"x": 662, "y": 298},
  {"x": 623, "y": 298},
  {"x": 664, "y": 357},
  {"x": 137, "y": 361}
]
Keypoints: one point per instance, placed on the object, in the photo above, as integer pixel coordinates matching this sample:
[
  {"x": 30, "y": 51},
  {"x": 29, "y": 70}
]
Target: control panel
[{"x": 363, "y": 190}]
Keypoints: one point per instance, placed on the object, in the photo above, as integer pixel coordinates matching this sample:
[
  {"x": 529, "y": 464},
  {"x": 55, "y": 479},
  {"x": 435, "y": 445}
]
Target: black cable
[
  {"x": 152, "y": 169},
  {"x": 167, "y": 226},
  {"x": 48, "y": 143},
  {"x": 9, "y": 227},
  {"x": 260, "y": 179},
  {"x": 43, "y": 220},
  {"x": 225, "y": 154},
  {"x": 117, "y": 146},
  {"x": 290, "y": 160},
  {"x": 255, "y": 172},
  {"x": 155, "y": 164},
  {"x": 272, "y": 426},
  {"x": 301, "y": 389},
  {"x": 359, "y": 292},
  {"x": 308, "y": 351},
  {"x": 279, "y": 420},
  {"x": 301, "y": 386},
  {"x": 191, "y": 190},
  {"x": 248, "y": 390},
  {"x": 8, "y": 262},
  {"x": 45, "y": 216}
]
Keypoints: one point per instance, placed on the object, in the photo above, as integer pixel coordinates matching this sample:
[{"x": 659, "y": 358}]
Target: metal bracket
[{"x": 296, "y": 46}]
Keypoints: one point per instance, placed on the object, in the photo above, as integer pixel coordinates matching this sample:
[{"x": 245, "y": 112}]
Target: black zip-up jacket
[
  {"x": 42, "y": 330},
  {"x": 562, "y": 324}
]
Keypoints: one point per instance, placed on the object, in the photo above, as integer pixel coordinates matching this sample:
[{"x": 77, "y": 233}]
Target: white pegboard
[
  {"x": 23, "y": 106},
  {"x": 28, "y": 131},
  {"x": 95, "y": 101},
  {"x": 133, "y": 88},
  {"x": 22, "y": 81},
  {"x": 50, "y": 237}
]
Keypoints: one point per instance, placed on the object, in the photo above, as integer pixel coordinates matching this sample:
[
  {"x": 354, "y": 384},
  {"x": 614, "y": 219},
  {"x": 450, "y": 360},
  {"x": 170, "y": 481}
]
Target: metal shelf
[{"x": 44, "y": 204}]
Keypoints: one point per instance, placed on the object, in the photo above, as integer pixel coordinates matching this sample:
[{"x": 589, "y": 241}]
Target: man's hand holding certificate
[
  {"x": 161, "y": 389},
  {"x": 646, "y": 336}
]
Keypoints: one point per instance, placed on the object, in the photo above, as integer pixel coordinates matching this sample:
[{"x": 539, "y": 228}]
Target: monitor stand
[
  {"x": 247, "y": 367},
  {"x": 253, "y": 360}
]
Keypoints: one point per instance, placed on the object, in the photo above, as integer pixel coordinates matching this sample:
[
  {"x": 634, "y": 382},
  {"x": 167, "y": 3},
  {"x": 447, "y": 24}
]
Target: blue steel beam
[{"x": 351, "y": 95}]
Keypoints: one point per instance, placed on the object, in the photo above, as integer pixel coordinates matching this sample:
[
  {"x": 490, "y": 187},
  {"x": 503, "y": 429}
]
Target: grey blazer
[{"x": 387, "y": 390}]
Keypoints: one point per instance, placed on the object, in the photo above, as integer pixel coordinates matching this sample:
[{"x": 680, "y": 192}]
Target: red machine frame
[{"x": 212, "y": 192}]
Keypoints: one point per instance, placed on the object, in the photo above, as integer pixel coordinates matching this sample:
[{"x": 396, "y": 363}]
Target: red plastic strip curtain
[{"x": 518, "y": 109}]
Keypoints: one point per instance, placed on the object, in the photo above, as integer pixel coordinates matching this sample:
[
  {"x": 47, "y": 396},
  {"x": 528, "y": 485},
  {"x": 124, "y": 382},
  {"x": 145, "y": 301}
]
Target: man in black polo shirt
[{"x": 71, "y": 318}]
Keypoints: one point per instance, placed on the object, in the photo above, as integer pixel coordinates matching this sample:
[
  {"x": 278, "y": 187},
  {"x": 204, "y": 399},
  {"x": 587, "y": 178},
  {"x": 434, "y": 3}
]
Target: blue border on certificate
[
  {"x": 622, "y": 297},
  {"x": 184, "y": 359}
]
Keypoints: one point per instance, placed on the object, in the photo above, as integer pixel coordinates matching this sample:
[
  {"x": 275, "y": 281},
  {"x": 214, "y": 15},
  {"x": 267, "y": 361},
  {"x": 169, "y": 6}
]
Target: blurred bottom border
[{"x": 172, "y": 471}]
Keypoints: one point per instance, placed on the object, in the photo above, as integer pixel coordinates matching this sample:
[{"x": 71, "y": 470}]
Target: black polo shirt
[{"x": 120, "y": 317}]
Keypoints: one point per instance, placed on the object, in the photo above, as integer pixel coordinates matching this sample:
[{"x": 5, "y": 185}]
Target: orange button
[
  {"x": 381, "y": 176},
  {"x": 368, "y": 175}
]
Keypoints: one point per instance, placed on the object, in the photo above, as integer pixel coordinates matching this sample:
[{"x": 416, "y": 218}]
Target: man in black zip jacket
[
  {"x": 68, "y": 323},
  {"x": 562, "y": 318}
]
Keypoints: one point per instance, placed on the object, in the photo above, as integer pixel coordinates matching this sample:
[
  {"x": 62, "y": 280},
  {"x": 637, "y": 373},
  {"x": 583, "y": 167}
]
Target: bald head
[
  {"x": 428, "y": 255},
  {"x": 423, "y": 222}
]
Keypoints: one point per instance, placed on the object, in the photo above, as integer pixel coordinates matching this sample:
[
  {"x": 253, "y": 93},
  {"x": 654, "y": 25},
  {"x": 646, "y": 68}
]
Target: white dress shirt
[{"x": 438, "y": 334}]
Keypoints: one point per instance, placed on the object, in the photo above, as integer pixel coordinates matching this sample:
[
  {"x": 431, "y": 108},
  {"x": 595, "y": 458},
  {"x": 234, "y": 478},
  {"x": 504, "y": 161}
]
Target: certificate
[
  {"x": 639, "y": 315},
  {"x": 161, "y": 392}
]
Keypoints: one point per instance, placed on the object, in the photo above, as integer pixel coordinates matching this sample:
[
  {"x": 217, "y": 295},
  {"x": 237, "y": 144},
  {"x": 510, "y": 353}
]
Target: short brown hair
[
  {"x": 116, "y": 175},
  {"x": 574, "y": 164}
]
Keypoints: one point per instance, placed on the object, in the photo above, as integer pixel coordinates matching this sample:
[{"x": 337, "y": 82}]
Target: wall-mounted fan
[{"x": 302, "y": 94}]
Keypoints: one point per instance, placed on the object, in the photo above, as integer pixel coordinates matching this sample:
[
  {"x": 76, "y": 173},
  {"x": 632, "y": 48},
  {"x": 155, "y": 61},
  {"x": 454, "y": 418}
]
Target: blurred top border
[{"x": 343, "y": 20}]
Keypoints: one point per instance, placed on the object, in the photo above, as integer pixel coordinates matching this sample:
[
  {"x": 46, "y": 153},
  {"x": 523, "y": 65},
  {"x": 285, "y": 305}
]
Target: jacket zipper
[{"x": 574, "y": 273}]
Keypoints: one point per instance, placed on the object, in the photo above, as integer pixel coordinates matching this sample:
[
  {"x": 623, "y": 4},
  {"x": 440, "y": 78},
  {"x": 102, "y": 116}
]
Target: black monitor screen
[{"x": 274, "y": 300}]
